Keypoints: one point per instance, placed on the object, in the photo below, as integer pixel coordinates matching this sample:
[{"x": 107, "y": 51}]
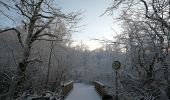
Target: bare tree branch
[
  {"x": 34, "y": 60},
  {"x": 158, "y": 18},
  {"x": 7, "y": 16},
  {"x": 47, "y": 34},
  {"x": 43, "y": 16},
  {"x": 22, "y": 12},
  {"x": 44, "y": 39},
  {"x": 7, "y": 6},
  {"x": 40, "y": 30}
]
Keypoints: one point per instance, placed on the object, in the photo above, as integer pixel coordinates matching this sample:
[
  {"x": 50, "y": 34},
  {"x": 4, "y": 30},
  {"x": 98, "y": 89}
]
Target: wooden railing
[
  {"x": 99, "y": 88},
  {"x": 67, "y": 87}
]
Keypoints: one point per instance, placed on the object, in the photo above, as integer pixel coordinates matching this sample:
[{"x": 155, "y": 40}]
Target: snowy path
[{"x": 83, "y": 92}]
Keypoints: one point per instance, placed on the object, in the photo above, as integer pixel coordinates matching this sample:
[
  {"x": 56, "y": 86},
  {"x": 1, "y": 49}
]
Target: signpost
[{"x": 116, "y": 65}]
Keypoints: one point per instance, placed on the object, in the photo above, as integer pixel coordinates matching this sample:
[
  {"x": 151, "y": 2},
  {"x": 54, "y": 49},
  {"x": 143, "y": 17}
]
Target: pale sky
[{"x": 96, "y": 26}]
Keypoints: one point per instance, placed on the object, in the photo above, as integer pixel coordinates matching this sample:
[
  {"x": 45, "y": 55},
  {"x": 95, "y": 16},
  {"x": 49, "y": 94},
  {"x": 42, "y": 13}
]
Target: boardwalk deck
[{"x": 83, "y": 92}]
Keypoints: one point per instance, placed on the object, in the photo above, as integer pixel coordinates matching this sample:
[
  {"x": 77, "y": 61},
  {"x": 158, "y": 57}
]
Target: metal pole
[
  {"x": 116, "y": 87},
  {"x": 116, "y": 65}
]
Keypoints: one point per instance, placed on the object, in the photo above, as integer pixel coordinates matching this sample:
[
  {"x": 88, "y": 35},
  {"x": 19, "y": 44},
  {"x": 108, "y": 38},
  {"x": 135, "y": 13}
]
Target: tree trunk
[
  {"x": 49, "y": 65},
  {"x": 21, "y": 72}
]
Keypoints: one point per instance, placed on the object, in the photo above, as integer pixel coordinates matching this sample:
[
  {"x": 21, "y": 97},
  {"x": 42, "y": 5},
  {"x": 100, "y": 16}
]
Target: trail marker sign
[{"x": 116, "y": 65}]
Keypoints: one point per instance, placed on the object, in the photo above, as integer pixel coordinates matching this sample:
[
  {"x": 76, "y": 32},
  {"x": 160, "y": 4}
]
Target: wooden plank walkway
[{"x": 83, "y": 91}]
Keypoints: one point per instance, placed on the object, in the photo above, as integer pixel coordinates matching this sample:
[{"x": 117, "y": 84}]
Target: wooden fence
[
  {"x": 67, "y": 87},
  {"x": 100, "y": 88}
]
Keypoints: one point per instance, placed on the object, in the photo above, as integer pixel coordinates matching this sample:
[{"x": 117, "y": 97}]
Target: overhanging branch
[
  {"x": 43, "y": 39},
  {"x": 46, "y": 34},
  {"x": 34, "y": 60}
]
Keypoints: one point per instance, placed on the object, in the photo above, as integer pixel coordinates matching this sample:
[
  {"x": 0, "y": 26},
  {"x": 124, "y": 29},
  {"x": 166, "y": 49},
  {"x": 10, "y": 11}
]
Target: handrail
[
  {"x": 67, "y": 87},
  {"x": 100, "y": 88},
  {"x": 68, "y": 83}
]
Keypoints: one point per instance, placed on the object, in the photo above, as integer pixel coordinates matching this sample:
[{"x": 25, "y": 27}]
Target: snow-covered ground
[{"x": 83, "y": 91}]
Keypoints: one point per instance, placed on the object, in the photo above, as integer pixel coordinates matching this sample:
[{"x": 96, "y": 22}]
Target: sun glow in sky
[{"x": 96, "y": 26}]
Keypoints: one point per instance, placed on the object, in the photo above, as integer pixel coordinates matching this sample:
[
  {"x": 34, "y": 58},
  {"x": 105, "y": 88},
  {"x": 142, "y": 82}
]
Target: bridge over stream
[{"x": 84, "y": 91}]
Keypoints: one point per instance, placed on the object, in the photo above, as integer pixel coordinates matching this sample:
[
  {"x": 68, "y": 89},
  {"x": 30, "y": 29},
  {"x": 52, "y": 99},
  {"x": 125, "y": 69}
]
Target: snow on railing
[
  {"x": 100, "y": 88},
  {"x": 67, "y": 87}
]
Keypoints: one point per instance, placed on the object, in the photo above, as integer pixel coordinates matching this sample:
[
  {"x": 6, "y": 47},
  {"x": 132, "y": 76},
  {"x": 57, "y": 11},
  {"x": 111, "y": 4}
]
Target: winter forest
[{"x": 39, "y": 61}]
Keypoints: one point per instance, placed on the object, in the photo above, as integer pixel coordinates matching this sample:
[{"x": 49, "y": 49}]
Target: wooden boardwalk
[{"x": 83, "y": 91}]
